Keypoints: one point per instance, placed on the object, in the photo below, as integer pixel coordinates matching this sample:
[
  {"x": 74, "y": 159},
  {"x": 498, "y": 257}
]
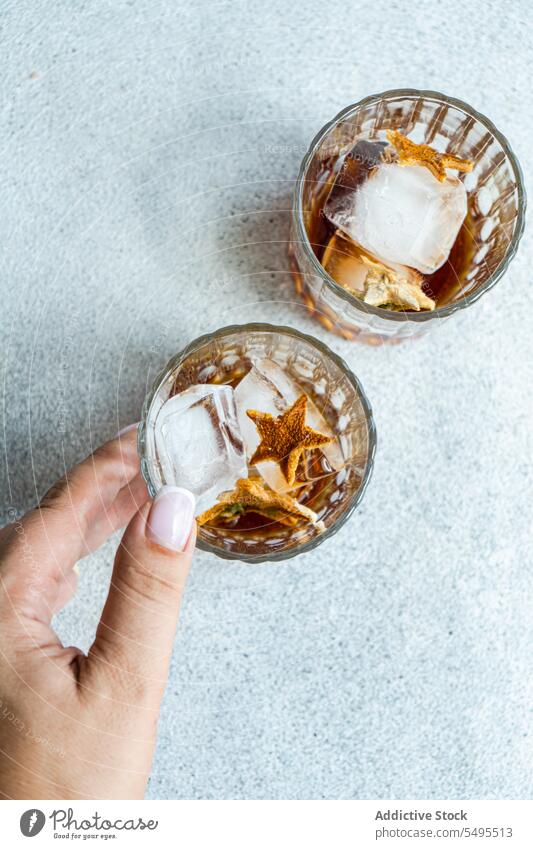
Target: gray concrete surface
[{"x": 148, "y": 153}]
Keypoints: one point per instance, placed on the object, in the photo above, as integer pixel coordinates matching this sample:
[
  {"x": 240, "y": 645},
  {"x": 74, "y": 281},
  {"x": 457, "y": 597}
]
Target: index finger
[{"x": 76, "y": 516}]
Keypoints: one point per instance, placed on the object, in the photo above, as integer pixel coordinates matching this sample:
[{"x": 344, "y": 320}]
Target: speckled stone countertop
[{"x": 149, "y": 151}]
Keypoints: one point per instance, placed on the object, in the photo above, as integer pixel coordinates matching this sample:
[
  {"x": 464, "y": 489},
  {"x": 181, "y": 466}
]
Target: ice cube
[
  {"x": 400, "y": 214},
  {"x": 269, "y": 389},
  {"x": 357, "y": 165},
  {"x": 342, "y": 260},
  {"x": 198, "y": 443}
]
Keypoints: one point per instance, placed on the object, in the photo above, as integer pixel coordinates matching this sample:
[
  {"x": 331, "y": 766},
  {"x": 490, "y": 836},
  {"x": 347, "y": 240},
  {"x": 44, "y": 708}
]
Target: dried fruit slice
[
  {"x": 251, "y": 496},
  {"x": 397, "y": 287}
]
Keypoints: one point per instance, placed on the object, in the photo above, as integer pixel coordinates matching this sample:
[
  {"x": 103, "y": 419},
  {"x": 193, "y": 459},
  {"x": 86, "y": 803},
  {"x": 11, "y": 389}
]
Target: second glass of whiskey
[
  {"x": 271, "y": 432},
  {"x": 409, "y": 206}
]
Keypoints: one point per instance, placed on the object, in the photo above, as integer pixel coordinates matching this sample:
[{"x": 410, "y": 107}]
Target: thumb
[{"x": 131, "y": 651}]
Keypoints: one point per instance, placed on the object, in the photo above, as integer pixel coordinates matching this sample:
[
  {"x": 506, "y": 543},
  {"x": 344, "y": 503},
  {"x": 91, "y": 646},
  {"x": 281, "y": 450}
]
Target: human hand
[{"x": 76, "y": 726}]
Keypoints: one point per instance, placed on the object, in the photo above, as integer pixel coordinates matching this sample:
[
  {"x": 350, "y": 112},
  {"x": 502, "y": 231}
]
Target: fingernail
[
  {"x": 171, "y": 518},
  {"x": 127, "y": 429}
]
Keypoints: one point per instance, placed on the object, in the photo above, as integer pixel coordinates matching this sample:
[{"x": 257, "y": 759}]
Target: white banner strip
[{"x": 270, "y": 824}]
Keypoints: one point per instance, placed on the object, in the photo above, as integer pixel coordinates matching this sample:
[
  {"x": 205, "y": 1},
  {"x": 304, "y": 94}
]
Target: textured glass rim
[
  {"x": 466, "y": 300},
  {"x": 327, "y": 352}
]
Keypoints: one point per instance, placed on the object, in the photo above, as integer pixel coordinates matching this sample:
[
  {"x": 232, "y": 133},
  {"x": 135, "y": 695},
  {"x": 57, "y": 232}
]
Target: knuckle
[
  {"x": 107, "y": 451},
  {"x": 119, "y": 673},
  {"x": 122, "y": 458},
  {"x": 159, "y": 590}
]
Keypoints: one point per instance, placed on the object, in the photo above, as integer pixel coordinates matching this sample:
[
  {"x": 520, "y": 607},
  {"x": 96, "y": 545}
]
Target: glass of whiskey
[
  {"x": 271, "y": 432},
  {"x": 408, "y": 207}
]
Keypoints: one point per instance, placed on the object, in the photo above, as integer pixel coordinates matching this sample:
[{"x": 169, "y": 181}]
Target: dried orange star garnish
[
  {"x": 410, "y": 153},
  {"x": 251, "y": 496},
  {"x": 285, "y": 438}
]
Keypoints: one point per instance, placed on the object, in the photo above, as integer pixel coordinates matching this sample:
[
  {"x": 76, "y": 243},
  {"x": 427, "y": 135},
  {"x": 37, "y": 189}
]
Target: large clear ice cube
[
  {"x": 269, "y": 389},
  {"x": 400, "y": 214},
  {"x": 198, "y": 442}
]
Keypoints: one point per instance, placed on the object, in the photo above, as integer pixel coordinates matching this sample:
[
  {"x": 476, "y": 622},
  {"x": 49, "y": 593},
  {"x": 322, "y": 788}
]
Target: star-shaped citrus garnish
[
  {"x": 285, "y": 438},
  {"x": 410, "y": 153},
  {"x": 252, "y": 496}
]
